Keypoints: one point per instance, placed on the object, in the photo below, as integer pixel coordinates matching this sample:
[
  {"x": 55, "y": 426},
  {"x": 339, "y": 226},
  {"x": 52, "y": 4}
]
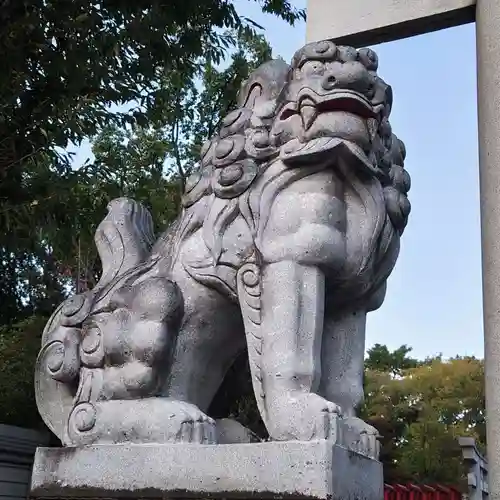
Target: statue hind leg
[
  {"x": 210, "y": 338},
  {"x": 343, "y": 352},
  {"x": 342, "y": 356}
]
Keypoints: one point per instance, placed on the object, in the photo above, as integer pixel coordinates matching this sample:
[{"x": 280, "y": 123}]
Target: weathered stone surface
[
  {"x": 314, "y": 470},
  {"x": 290, "y": 227}
]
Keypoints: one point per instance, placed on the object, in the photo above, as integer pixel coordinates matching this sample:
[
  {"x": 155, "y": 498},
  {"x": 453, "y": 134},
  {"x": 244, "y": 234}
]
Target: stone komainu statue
[{"x": 289, "y": 229}]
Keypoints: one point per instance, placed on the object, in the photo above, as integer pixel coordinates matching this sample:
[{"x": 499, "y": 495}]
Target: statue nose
[
  {"x": 350, "y": 75},
  {"x": 329, "y": 81}
]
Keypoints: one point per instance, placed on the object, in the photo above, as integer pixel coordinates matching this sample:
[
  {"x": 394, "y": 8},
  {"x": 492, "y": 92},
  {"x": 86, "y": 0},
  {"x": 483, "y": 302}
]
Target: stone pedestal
[{"x": 305, "y": 470}]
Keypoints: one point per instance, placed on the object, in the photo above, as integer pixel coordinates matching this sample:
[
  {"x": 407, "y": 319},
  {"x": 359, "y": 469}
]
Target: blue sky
[{"x": 433, "y": 301}]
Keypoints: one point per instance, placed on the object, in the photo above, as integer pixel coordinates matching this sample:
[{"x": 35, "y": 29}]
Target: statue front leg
[{"x": 291, "y": 326}]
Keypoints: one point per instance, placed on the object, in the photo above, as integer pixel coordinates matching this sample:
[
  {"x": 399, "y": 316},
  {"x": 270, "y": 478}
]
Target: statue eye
[{"x": 313, "y": 68}]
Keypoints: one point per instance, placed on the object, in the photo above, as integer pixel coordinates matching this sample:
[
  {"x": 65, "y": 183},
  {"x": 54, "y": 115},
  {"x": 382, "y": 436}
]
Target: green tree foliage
[
  {"x": 381, "y": 359},
  {"x": 24, "y": 217},
  {"x": 65, "y": 62},
  {"x": 19, "y": 347},
  {"x": 68, "y": 66},
  {"x": 420, "y": 414}
]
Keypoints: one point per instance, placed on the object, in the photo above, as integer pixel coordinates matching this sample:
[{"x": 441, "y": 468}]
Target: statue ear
[
  {"x": 253, "y": 95},
  {"x": 263, "y": 84}
]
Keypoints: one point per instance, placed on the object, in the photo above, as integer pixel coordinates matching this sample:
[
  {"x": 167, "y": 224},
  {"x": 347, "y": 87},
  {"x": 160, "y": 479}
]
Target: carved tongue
[
  {"x": 310, "y": 151},
  {"x": 308, "y": 112}
]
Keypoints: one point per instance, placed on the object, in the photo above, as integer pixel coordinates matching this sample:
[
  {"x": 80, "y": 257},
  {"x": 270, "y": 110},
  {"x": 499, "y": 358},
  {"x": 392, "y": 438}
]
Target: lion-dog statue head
[{"x": 329, "y": 107}]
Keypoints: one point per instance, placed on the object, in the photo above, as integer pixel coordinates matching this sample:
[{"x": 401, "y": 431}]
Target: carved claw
[
  {"x": 193, "y": 426},
  {"x": 361, "y": 437},
  {"x": 303, "y": 417},
  {"x": 199, "y": 431}
]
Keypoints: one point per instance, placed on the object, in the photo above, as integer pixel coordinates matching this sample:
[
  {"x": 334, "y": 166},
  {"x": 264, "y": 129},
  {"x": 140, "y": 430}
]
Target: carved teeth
[{"x": 308, "y": 112}]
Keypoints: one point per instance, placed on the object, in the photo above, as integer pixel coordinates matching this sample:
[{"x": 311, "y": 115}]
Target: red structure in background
[{"x": 420, "y": 492}]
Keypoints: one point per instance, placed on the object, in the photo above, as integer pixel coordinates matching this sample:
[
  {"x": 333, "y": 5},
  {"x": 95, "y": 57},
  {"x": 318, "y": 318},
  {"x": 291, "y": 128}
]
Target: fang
[{"x": 308, "y": 114}]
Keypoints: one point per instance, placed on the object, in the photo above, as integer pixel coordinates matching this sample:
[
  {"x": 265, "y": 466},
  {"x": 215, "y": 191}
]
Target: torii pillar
[{"x": 368, "y": 22}]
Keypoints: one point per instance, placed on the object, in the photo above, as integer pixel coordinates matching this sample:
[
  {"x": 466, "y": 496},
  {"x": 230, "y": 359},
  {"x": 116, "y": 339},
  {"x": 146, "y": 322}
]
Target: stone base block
[{"x": 299, "y": 470}]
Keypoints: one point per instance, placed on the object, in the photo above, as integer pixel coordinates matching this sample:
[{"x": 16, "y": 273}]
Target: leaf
[
  {"x": 82, "y": 17},
  {"x": 253, "y": 23}
]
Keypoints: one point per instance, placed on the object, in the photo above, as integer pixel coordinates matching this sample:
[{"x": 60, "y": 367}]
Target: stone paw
[
  {"x": 361, "y": 437},
  {"x": 150, "y": 420},
  {"x": 194, "y": 426},
  {"x": 303, "y": 417}
]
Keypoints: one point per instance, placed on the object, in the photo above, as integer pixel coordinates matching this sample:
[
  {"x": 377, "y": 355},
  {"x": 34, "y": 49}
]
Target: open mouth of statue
[
  {"x": 341, "y": 123},
  {"x": 310, "y": 106}
]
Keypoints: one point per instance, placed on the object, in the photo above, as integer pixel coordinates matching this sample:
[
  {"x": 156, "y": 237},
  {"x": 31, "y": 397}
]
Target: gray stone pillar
[
  {"x": 477, "y": 474},
  {"x": 488, "y": 71}
]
